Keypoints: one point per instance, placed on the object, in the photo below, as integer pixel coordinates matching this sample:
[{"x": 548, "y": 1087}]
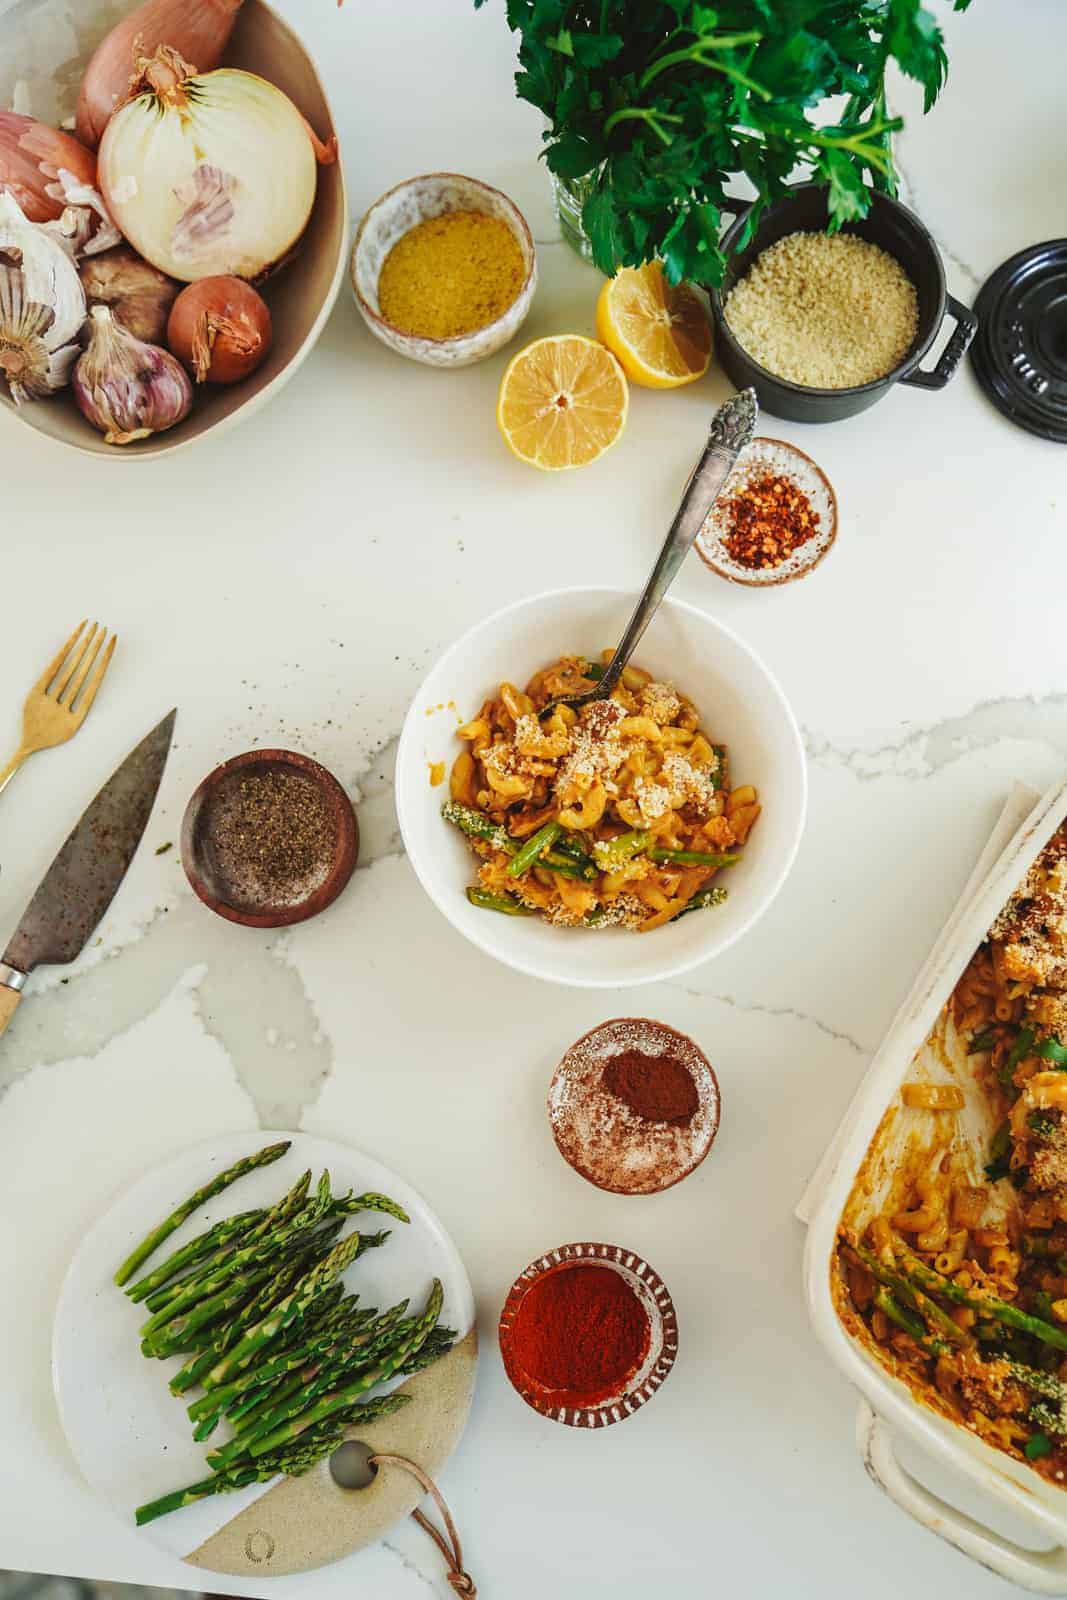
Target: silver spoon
[{"x": 731, "y": 431}]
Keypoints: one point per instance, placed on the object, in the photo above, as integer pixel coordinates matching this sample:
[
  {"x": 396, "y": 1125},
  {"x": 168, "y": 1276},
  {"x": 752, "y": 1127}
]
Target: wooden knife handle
[{"x": 9, "y": 999}]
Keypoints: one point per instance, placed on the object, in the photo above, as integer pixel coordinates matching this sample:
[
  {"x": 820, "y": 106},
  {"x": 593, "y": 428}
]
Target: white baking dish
[{"x": 887, "y": 1406}]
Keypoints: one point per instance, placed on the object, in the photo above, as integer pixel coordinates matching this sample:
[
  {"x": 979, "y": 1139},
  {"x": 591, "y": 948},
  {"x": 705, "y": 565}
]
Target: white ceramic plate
[
  {"x": 740, "y": 704},
  {"x": 129, "y": 1435}
]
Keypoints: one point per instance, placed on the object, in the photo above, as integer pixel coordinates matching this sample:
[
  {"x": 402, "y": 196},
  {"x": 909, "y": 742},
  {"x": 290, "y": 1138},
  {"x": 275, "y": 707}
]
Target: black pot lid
[{"x": 1020, "y": 351}]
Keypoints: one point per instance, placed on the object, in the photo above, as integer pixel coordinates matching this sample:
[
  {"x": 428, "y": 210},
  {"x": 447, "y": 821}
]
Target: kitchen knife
[{"x": 81, "y": 882}]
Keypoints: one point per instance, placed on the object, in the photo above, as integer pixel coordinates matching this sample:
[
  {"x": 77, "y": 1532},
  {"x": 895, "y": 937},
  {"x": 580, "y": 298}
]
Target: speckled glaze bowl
[
  {"x": 778, "y": 457},
  {"x": 662, "y": 1346},
  {"x": 396, "y": 213}
]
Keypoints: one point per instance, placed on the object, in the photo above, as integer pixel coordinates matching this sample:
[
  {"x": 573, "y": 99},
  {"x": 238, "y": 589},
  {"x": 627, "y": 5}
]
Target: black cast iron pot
[{"x": 901, "y": 234}]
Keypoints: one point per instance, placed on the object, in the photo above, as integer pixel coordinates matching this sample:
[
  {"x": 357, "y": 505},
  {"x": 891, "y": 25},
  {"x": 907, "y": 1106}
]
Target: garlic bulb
[
  {"x": 125, "y": 387},
  {"x": 42, "y": 306},
  {"x": 209, "y": 173}
]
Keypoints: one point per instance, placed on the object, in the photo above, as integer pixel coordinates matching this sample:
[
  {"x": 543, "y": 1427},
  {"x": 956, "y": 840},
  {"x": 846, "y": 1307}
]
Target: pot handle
[
  {"x": 954, "y": 351},
  {"x": 1040, "y": 1572}
]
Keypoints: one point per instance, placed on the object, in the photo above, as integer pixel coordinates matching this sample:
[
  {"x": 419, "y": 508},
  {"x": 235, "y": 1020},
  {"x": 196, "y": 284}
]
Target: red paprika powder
[{"x": 580, "y": 1330}]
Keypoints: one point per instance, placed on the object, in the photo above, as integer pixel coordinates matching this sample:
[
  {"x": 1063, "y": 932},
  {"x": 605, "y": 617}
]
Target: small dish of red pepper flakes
[{"x": 775, "y": 519}]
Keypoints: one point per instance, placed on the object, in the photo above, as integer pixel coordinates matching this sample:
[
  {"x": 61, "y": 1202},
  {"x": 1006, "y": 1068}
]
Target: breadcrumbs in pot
[{"x": 828, "y": 311}]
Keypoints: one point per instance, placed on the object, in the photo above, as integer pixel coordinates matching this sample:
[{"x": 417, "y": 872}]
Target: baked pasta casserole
[
  {"x": 617, "y": 813},
  {"x": 959, "y": 1284}
]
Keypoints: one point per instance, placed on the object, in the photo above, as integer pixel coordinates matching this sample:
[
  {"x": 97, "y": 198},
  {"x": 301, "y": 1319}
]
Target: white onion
[{"x": 208, "y": 173}]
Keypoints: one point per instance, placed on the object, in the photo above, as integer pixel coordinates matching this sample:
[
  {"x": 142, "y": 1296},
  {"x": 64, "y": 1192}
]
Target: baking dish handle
[{"x": 1041, "y": 1573}]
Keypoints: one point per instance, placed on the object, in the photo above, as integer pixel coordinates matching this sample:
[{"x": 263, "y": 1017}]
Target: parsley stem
[
  {"x": 695, "y": 53},
  {"x": 640, "y": 114}
]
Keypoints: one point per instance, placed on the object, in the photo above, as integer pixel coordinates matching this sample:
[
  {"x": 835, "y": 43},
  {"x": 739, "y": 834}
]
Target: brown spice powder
[{"x": 656, "y": 1088}]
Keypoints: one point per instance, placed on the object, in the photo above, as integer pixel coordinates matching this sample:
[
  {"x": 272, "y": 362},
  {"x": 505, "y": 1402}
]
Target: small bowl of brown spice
[
  {"x": 634, "y": 1106},
  {"x": 269, "y": 838},
  {"x": 444, "y": 269},
  {"x": 775, "y": 519}
]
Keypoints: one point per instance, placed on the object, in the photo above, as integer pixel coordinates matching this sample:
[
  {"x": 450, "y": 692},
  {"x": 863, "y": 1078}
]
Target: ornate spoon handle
[{"x": 731, "y": 430}]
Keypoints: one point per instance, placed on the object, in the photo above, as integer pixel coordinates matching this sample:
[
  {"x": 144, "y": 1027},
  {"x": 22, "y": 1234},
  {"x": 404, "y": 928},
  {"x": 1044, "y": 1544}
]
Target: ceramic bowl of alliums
[
  {"x": 300, "y": 295},
  {"x": 435, "y": 194},
  {"x": 741, "y": 706}
]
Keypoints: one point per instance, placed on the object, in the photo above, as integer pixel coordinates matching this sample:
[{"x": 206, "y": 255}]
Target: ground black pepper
[{"x": 273, "y": 835}]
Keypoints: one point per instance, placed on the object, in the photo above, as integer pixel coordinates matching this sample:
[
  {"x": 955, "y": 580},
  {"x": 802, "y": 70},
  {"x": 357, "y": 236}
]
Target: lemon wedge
[{"x": 660, "y": 333}]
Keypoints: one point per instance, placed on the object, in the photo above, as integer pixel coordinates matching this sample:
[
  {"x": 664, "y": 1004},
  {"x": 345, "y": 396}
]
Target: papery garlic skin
[
  {"x": 125, "y": 387},
  {"x": 214, "y": 174},
  {"x": 42, "y": 306}
]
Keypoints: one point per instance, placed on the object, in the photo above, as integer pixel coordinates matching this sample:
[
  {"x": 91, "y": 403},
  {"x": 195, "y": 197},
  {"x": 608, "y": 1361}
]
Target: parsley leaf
[{"x": 656, "y": 104}]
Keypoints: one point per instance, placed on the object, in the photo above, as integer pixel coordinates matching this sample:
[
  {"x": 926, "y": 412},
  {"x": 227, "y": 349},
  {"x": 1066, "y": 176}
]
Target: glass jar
[{"x": 570, "y": 196}]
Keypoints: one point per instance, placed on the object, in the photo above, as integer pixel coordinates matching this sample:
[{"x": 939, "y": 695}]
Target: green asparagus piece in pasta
[
  {"x": 222, "y": 1180},
  {"x": 887, "y": 1303},
  {"x": 702, "y": 899},
  {"x": 594, "y": 670},
  {"x": 611, "y": 854},
  {"x": 924, "y": 1278},
  {"x": 535, "y": 846},
  {"x": 485, "y": 901},
  {"x": 913, "y": 1296},
  {"x": 693, "y": 858},
  {"x": 476, "y": 825},
  {"x": 570, "y": 866}
]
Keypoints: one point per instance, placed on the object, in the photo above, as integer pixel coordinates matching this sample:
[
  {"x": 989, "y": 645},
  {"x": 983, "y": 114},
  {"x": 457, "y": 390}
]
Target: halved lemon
[
  {"x": 660, "y": 333},
  {"x": 563, "y": 402}
]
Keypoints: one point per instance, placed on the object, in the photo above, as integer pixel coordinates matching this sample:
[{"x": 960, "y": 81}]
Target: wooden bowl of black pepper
[{"x": 269, "y": 838}]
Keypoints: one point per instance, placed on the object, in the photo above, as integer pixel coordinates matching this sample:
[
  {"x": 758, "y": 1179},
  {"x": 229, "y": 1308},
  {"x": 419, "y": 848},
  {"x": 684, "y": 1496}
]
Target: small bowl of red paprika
[
  {"x": 588, "y": 1333},
  {"x": 775, "y": 519}
]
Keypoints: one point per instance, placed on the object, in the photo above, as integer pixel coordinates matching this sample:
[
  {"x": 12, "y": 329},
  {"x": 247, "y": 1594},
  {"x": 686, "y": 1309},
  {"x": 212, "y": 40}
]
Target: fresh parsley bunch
[{"x": 656, "y": 103}]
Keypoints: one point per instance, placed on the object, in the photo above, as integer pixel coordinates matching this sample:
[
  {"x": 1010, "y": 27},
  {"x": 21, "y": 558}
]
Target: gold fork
[{"x": 59, "y": 701}]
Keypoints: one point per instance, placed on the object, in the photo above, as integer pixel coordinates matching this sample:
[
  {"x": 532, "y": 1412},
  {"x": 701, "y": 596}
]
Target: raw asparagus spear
[
  {"x": 329, "y": 1371},
  {"x": 205, "y": 1244},
  {"x": 288, "y": 1310},
  {"x": 341, "y": 1398},
  {"x": 222, "y": 1180},
  {"x": 292, "y": 1463},
  {"x": 244, "y": 1255}
]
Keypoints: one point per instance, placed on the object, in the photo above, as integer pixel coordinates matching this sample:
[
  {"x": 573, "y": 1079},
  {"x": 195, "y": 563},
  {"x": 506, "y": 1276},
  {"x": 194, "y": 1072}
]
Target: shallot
[
  {"x": 125, "y": 387},
  {"x": 220, "y": 328},
  {"x": 208, "y": 173},
  {"x": 138, "y": 293},
  {"x": 199, "y": 29},
  {"x": 32, "y": 155}
]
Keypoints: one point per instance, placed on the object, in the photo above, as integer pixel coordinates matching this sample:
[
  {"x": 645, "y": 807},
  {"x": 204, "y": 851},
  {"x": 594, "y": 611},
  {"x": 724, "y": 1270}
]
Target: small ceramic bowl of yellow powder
[{"x": 443, "y": 269}]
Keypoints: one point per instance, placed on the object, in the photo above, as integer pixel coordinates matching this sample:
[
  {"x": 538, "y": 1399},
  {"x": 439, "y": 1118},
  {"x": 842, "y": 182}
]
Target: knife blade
[{"x": 84, "y": 877}]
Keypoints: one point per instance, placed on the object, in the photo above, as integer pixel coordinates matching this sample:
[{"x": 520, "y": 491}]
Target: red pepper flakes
[{"x": 767, "y": 520}]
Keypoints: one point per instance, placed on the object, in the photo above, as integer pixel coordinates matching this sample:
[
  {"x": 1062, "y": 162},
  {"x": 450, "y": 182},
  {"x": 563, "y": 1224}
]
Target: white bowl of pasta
[{"x": 598, "y": 833}]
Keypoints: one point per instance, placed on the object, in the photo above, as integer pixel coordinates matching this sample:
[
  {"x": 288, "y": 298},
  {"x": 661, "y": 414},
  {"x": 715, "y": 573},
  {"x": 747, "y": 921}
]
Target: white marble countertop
[{"x": 288, "y": 585}]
